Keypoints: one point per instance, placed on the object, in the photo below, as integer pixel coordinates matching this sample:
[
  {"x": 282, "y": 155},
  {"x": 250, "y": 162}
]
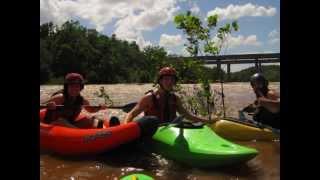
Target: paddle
[
  {"x": 126, "y": 108},
  {"x": 222, "y": 96},
  {"x": 175, "y": 122}
]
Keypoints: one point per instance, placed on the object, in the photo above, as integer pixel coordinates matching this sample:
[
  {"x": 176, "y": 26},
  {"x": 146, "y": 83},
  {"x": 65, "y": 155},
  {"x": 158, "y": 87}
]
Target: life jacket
[
  {"x": 165, "y": 113},
  {"x": 266, "y": 117},
  {"x": 69, "y": 111}
]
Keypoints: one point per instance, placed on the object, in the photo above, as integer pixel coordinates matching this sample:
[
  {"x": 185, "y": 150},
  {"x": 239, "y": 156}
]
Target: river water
[{"x": 133, "y": 158}]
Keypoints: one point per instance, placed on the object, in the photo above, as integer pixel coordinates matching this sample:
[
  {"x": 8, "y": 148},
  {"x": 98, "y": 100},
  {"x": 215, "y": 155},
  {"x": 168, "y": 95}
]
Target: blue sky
[{"x": 149, "y": 22}]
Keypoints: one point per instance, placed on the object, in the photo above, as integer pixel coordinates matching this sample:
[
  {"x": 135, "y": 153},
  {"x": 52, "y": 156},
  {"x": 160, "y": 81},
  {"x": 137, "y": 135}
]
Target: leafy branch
[{"x": 103, "y": 94}]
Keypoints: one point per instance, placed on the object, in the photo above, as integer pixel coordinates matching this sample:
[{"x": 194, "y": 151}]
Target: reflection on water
[
  {"x": 138, "y": 157},
  {"x": 130, "y": 158}
]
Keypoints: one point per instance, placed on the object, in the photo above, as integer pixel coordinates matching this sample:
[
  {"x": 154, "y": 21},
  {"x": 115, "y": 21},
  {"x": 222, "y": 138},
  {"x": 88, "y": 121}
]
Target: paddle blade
[
  {"x": 128, "y": 107},
  {"x": 175, "y": 122}
]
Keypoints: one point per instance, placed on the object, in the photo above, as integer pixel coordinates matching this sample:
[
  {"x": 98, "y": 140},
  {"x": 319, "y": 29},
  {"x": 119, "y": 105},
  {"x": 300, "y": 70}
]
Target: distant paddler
[{"x": 266, "y": 107}]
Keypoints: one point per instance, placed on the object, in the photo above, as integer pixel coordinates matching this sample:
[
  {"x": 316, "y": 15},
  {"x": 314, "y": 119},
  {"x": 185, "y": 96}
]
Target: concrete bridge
[{"x": 256, "y": 59}]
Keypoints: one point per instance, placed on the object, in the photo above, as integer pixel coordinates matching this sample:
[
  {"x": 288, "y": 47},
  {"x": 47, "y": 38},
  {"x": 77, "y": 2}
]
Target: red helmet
[
  {"x": 74, "y": 78},
  {"x": 167, "y": 71}
]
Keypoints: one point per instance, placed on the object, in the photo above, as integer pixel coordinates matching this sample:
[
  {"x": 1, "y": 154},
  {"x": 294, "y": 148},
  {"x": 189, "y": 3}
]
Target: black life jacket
[{"x": 266, "y": 117}]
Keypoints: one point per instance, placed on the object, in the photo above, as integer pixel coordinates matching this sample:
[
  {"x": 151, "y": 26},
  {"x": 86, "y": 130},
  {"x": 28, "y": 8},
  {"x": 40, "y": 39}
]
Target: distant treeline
[
  {"x": 102, "y": 59},
  {"x": 271, "y": 72}
]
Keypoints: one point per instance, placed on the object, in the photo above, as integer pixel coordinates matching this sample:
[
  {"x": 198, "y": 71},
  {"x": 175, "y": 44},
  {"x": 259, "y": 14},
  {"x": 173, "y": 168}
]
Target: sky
[{"x": 150, "y": 22}]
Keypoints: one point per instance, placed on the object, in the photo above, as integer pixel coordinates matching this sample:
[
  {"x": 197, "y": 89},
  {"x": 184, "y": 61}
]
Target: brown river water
[{"x": 133, "y": 158}]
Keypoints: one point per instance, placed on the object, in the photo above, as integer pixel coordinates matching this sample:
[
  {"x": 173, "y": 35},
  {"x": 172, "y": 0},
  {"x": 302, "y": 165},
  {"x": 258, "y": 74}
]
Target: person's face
[
  {"x": 167, "y": 82},
  {"x": 74, "y": 90},
  {"x": 256, "y": 86}
]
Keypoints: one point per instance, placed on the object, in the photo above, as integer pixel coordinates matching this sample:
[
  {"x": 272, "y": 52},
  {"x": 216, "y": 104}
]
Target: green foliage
[
  {"x": 271, "y": 72},
  {"x": 103, "y": 59},
  {"x": 45, "y": 60},
  {"x": 56, "y": 80},
  {"x": 193, "y": 100},
  {"x": 72, "y": 47},
  {"x": 103, "y": 94},
  {"x": 235, "y": 25},
  {"x": 212, "y": 21},
  {"x": 44, "y": 73},
  {"x": 199, "y": 37},
  {"x": 192, "y": 27}
]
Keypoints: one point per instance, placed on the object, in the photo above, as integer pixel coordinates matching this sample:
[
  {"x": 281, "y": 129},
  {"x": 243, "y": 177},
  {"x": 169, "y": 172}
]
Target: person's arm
[
  {"x": 141, "y": 106},
  {"x": 52, "y": 107},
  {"x": 190, "y": 116},
  {"x": 53, "y": 101},
  {"x": 249, "y": 109},
  {"x": 271, "y": 102}
]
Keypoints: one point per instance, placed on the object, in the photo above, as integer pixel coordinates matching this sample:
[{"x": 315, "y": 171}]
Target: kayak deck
[
  {"x": 137, "y": 176},
  {"x": 199, "y": 147},
  {"x": 239, "y": 131}
]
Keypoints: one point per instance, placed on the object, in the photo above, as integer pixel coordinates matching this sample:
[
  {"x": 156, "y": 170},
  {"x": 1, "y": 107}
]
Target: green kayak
[
  {"x": 199, "y": 146},
  {"x": 136, "y": 177}
]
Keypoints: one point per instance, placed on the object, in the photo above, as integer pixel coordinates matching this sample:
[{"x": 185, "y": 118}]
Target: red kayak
[{"x": 74, "y": 141}]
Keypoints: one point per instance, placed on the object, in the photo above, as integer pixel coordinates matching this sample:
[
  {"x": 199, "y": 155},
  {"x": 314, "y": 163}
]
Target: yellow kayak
[{"x": 236, "y": 130}]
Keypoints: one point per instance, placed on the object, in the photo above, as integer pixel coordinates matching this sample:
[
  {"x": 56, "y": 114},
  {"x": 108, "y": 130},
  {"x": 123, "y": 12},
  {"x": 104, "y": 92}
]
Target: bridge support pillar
[
  {"x": 228, "y": 71},
  {"x": 219, "y": 66},
  {"x": 220, "y": 70},
  {"x": 256, "y": 63},
  {"x": 260, "y": 67}
]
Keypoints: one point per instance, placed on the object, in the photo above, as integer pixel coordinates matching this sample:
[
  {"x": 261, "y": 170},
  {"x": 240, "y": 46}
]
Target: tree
[
  {"x": 199, "y": 37},
  {"x": 45, "y": 61},
  {"x": 103, "y": 59}
]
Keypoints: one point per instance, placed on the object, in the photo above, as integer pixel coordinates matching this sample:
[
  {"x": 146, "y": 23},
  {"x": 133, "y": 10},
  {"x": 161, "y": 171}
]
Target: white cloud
[
  {"x": 237, "y": 11},
  {"x": 170, "y": 40},
  {"x": 274, "y": 37},
  {"x": 273, "y": 34},
  {"x": 274, "y": 41},
  {"x": 240, "y": 40},
  {"x": 169, "y": 51},
  {"x": 195, "y": 8},
  {"x": 131, "y": 17},
  {"x": 231, "y": 43},
  {"x": 50, "y": 11}
]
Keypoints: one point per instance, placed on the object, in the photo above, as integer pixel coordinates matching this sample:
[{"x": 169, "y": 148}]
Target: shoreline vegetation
[
  {"x": 109, "y": 60},
  {"x": 272, "y": 73}
]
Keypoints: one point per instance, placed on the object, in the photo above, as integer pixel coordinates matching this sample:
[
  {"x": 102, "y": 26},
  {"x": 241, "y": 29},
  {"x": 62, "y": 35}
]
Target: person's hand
[{"x": 52, "y": 105}]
